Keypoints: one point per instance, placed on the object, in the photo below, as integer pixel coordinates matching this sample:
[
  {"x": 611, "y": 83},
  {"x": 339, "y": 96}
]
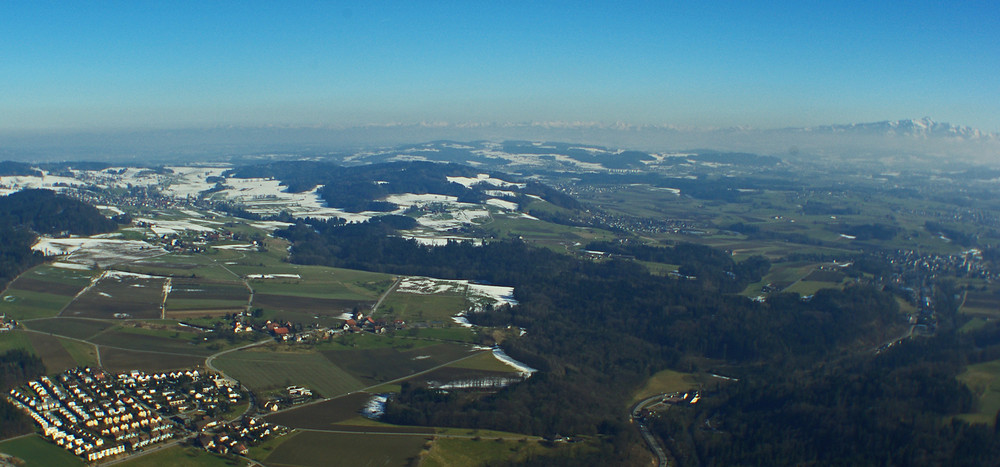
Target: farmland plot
[
  {"x": 192, "y": 295},
  {"x": 126, "y": 295},
  {"x": 982, "y": 304},
  {"x": 308, "y": 305},
  {"x": 175, "y": 343},
  {"x": 265, "y": 370},
  {"x": 53, "y": 354},
  {"x": 70, "y": 327},
  {"x": 117, "y": 360},
  {"x": 42, "y": 292},
  {"x": 379, "y": 365},
  {"x": 338, "y": 449},
  {"x": 324, "y": 414}
]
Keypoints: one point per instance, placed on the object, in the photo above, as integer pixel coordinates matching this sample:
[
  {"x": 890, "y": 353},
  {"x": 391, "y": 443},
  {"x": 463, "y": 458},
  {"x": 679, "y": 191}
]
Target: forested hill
[
  {"x": 596, "y": 330},
  {"x": 45, "y": 212},
  {"x": 363, "y": 188},
  {"x": 17, "y": 168},
  {"x": 29, "y": 212}
]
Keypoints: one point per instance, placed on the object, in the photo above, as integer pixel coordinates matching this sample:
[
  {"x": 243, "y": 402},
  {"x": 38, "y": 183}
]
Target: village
[{"x": 98, "y": 415}]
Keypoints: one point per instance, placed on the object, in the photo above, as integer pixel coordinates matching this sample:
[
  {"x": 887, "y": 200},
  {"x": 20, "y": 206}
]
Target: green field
[
  {"x": 374, "y": 366},
  {"x": 315, "y": 449},
  {"x": 666, "y": 381},
  {"x": 266, "y": 370},
  {"x": 984, "y": 304},
  {"x": 196, "y": 294},
  {"x": 452, "y": 333},
  {"x": 460, "y": 452},
  {"x": 52, "y": 352},
  {"x": 27, "y": 304},
  {"x": 117, "y": 360},
  {"x": 182, "y": 456},
  {"x": 70, "y": 327},
  {"x": 324, "y": 414},
  {"x": 139, "y": 298},
  {"x": 485, "y": 361},
  {"x": 74, "y": 279},
  {"x": 82, "y": 353},
  {"x": 33, "y": 450},
  {"x": 204, "y": 266},
  {"x": 423, "y": 307},
  {"x": 984, "y": 381},
  {"x": 15, "y": 340},
  {"x": 129, "y": 338}
]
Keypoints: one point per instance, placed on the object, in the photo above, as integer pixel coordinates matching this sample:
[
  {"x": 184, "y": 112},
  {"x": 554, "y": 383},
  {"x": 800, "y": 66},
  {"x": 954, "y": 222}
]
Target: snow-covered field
[
  {"x": 479, "y": 294},
  {"x": 484, "y": 178},
  {"x": 86, "y": 252},
  {"x": 273, "y": 276},
  {"x": 487, "y": 294},
  {"x": 503, "y": 204},
  {"x": 12, "y": 183},
  {"x": 266, "y": 196},
  {"x": 168, "y": 227},
  {"x": 238, "y": 246},
  {"x": 190, "y": 181},
  {"x": 441, "y": 240}
]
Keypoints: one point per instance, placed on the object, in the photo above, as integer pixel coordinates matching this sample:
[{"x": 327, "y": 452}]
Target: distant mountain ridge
[
  {"x": 913, "y": 128},
  {"x": 913, "y": 139}
]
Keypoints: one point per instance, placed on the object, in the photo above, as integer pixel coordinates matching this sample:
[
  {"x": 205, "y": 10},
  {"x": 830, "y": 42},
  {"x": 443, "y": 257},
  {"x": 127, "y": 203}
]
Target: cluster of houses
[
  {"x": 181, "y": 391},
  {"x": 7, "y": 324},
  {"x": 237, "y": 437},
  {"x": 96, "y": 415},
  {"x": 90, "y": 414},
  {"x": 293, "y": 395},
  {"x": 358, "y": 322},
  {"x": 286, "y": 331}
]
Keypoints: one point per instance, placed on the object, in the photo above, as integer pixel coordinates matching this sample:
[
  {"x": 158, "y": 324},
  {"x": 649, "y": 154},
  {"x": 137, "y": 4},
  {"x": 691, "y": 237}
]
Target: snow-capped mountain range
[{"x": 920, "y": 128}]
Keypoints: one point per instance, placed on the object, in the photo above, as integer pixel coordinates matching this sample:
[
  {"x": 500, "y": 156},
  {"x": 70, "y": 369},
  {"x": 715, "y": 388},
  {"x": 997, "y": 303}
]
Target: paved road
[
  {"x": 654, "y": 444},
  {"x": 386, "y": 294},
  {"x": 211, "y": 358}
]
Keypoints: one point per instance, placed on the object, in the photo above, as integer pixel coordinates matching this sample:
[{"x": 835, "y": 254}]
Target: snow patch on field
[
  {"x": 375, "y": 407},
  {"x": 190, "y": 181},
  {"x": 441, "y": 241},
  {"x": 87, "y": 252},
  {"x": 270, "y": 226},
  {"x": 13, "y": 183},
  {"x": 168, "y": 227},
  {"x": 410, "y": 199},
  {"x": 113, "y": 209},
  {"x": 120, "y": 275},
  {"x": 503, "y": 204},
  {"x": 484, "y": 178},
  {"x": 74, "y": 266},
  {"x": 268, "y": 197},
  {"x": 499, "y": 295},
  {"x": 500, "y": 193},
  {"x": 273, "y": 276},
  {"x": 238, "y": 246},
  {"x": 525, "y": 370},
  {"x": 480, "y": 295}
]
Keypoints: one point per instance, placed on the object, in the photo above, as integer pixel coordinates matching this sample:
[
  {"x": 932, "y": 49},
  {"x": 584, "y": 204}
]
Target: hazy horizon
[{"x": 145, "y": 65}]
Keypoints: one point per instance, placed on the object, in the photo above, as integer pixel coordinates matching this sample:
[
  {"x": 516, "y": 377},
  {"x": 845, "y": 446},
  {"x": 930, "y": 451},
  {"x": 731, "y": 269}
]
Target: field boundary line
[
  {"x": 386, "y": 294},
  {"x": 365, "y": 389}
]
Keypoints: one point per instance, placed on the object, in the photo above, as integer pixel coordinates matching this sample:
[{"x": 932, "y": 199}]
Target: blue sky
[{"x": 108, "y": 65}]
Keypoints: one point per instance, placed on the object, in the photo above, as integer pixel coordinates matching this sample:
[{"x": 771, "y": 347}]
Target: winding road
[{"x": 654, "y": 444}]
